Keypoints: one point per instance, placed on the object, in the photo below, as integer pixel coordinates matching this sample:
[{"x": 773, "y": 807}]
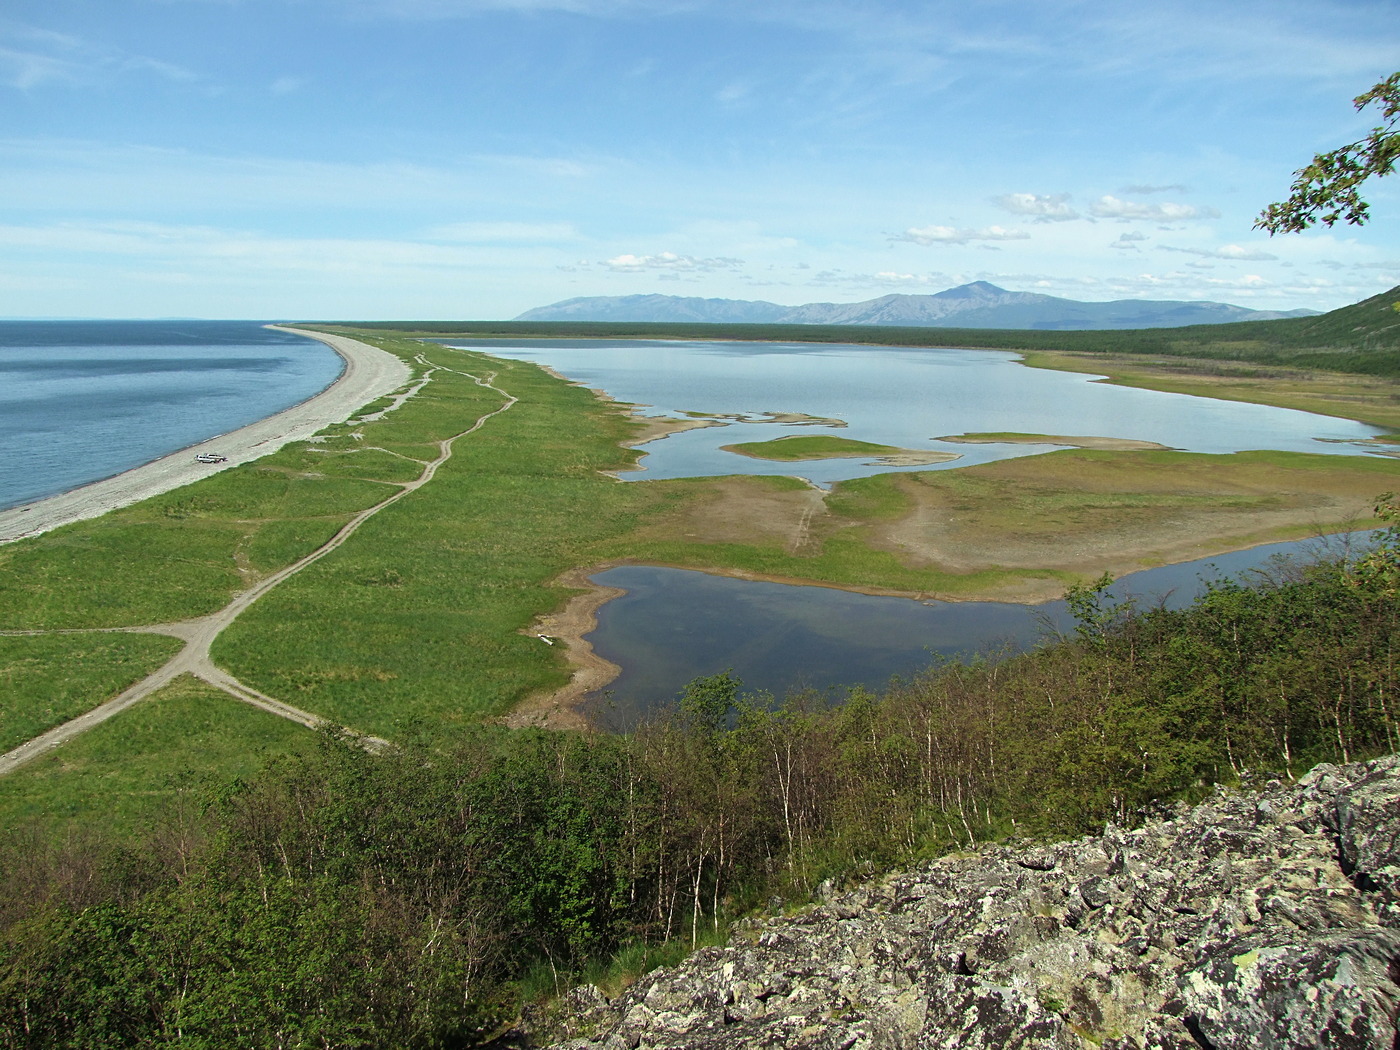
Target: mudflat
[{"x": 369, "y": 373}]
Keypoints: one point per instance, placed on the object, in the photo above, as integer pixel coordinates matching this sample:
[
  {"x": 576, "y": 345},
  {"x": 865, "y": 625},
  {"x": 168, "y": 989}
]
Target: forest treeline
[{"x": 399, "y": 899}]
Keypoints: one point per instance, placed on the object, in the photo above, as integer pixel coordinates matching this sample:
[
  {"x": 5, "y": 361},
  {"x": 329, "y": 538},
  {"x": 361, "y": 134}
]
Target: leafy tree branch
[{"x": 1328, "y": 189}]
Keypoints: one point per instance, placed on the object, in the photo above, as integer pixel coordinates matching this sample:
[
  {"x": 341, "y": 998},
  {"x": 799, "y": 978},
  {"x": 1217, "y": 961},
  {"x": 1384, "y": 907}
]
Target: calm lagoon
[
  {"x": 899, "y": 396},
  {"x": 673, "y": 625},
  {"x": 83, "y": 400}
]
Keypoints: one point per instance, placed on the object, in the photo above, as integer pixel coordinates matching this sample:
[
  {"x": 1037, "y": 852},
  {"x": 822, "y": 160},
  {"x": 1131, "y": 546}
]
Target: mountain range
[{"x": 975, "y": 305}]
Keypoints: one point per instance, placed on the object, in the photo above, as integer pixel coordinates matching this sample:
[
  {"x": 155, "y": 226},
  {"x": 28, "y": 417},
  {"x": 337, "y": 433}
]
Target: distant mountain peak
[
  {"x": 977, "y": 304},
  {"x": 973, "y": 290}
]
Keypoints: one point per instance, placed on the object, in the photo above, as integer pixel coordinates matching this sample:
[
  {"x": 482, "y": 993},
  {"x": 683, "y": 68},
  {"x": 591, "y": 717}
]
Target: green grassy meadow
[
  {"x": 414, "y": 629},
  {"x": 47, "y": 679},
  {"x": 812, "y": 446},
  {"x": 128, "y": 772}
]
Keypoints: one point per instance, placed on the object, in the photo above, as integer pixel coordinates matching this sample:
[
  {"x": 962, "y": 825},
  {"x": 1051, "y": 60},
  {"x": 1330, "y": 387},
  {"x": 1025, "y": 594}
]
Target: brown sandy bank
[{"x": 568, "y": 627}]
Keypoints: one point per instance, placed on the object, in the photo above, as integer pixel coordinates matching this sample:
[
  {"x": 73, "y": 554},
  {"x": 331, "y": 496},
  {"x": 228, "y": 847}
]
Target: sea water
[{"x": 84, "y": 400}]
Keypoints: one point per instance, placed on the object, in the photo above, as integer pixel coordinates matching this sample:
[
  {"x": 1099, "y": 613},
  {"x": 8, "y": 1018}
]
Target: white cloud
[
  {"x": 733, "y": 92},
  {"x": 286, "y": 85},
  {"x": 669, "y": 262},
  {"x": 1128, "y": 241},
  {"x": 1229, "y": 251},
  {"x": 930, "y": 235},
  {"x": 905, "y": 280},
  {"x": 1107, "y": 207},
  {"x": 1045, "y": 208},
  {"x": 555, "y": 167},
  {"x": 67, "y": 177},
  {"x": 211, "y": 250}
]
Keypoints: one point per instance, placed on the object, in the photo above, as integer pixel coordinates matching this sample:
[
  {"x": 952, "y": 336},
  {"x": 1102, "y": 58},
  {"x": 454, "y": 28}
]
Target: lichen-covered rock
[
  {"x": 1332, "y": 989},
  {"x": 1258, "y": 920},
  {"x": 1368, "y": 829}
]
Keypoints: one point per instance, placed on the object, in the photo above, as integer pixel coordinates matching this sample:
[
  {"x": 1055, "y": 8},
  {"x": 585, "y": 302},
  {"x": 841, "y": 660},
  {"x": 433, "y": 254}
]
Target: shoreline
[
  {"x": 591, "y": 672},
  {"x": 368, "y": 374}
]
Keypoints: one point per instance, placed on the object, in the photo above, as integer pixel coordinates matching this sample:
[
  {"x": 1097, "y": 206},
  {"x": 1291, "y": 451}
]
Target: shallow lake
[
  {"x": 905, "y": 397},
  {"x": 673, "y": 625}
]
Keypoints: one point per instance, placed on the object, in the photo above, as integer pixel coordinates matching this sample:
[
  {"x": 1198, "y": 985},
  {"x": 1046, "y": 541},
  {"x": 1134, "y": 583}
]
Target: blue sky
[{"x": 456, "y": 159}]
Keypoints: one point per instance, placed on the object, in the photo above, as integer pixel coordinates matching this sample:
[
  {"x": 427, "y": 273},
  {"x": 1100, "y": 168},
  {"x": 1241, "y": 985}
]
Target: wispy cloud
[
  {"x": 669, "y": 262},
  {"x": 203, "y": 245},
  {"x": 908, "y": 280},
  {"x": 1229, "y": 251},
  {"x": 1053, "y": 207},
  {"x": 931, "y": 235},
  {"x": 1128, "y": 241},
  {"x": 31, "y": 58},
  {"x": 1107, "y": 207},
  {"x": 1143, "y": 189}
]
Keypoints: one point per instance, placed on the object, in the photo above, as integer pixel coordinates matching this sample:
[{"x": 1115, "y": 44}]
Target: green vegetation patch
[
  {"x": 48, "y": 679},
  {"x": 876, "y": 498},
  {"x": 419, "y": 624},
  {"x": 1373, "y": 399},
  {"x": 414, "y": 897},
  {"x": 129, "y": 771},
  {"x": 418, "y": 621},
  {"x": 815, "y": 446}
]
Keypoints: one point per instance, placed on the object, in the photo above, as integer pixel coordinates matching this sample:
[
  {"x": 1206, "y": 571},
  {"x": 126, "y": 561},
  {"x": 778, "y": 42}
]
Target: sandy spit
[
  {"x": 569, "y": 627},
  {"x": 369, "y": 373}
]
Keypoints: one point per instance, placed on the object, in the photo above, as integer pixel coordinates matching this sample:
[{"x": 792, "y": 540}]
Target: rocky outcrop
[{"x": 1252, "y": 921}]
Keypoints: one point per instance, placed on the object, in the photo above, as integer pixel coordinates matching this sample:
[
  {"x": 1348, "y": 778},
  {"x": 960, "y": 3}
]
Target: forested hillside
[{"x": 413, "y": 898}]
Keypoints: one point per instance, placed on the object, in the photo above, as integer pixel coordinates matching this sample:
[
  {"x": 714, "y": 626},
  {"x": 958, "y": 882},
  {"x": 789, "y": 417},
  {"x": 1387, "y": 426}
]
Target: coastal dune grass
[
  {"x": 177, "y": 555},
  {"x": 1369, "y": 399},
  {"x": 420, "y": 619}
]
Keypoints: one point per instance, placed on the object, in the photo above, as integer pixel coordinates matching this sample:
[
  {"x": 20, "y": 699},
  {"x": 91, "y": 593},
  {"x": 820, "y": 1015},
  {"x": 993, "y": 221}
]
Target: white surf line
[{"x": 200, "y": 632}]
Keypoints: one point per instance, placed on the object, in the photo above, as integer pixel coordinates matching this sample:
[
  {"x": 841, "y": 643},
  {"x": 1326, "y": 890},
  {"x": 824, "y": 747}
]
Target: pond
[
  {"x": 673, "y": 625},
  {"x": 899, "y": 396}
]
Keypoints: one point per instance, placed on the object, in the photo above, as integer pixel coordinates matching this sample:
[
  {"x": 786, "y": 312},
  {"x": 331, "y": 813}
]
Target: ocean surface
[{"x": 84, "y": 400}]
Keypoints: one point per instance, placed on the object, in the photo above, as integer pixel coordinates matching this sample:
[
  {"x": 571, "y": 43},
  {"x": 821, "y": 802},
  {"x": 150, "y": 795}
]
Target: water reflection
[{"x": 675, "y": 624}]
